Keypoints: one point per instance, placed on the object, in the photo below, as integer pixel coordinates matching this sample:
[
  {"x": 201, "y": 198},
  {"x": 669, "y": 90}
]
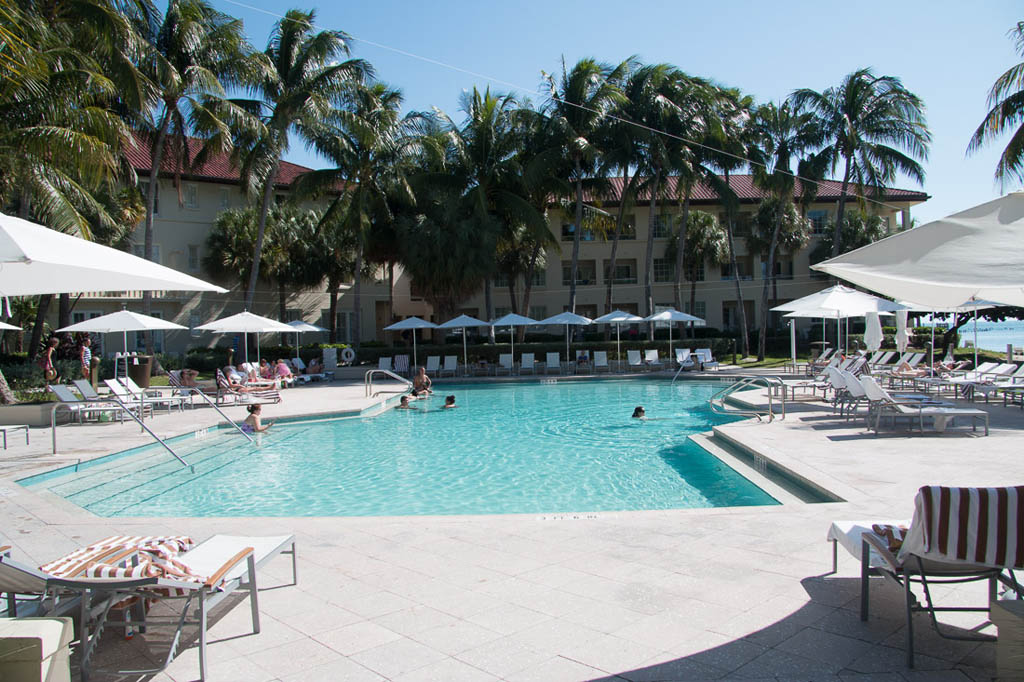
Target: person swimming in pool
[
  {"x": 639, "y": 413},
  {"x": 404, "y": 404},
  {"x": 449, "y": 403},
  {"x": 252, "y": 423}
]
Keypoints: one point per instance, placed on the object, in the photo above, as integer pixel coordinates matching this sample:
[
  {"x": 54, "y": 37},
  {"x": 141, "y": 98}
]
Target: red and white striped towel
[
  {"x": 158, "y": 547},
  {"x": 968, "y": 525}
]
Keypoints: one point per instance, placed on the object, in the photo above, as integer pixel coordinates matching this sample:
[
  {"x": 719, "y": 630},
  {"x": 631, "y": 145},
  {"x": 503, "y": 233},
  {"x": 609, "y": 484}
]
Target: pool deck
[{"x": 740, "y": 593}]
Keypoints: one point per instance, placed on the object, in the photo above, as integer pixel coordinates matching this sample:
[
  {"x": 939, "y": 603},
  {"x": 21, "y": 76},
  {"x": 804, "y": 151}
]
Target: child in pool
[{"x": 252, "y": 423}]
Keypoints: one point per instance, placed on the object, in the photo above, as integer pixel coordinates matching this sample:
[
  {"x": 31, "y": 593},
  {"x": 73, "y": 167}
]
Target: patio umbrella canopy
[
  {"x": 902, "y": 337},
  {"x": 300, "y": 326},
  {"x": 971, "y": 254},
  {"x": 123, "y": 321},
  {"x": 618, "y": 318},
  {"x": 37, "y": 260},
  {"x": 412, "y": 323},
  {"x": 246, "y": 323},
  {"x": 671, "y": 316},
  {"x": 568, "y": 319},
  {"x": 838, "y": 302},
  {"x": 512, "y": 320},
  {"x": 461, "y": 322},
  {"x": 9, "y": 327}
]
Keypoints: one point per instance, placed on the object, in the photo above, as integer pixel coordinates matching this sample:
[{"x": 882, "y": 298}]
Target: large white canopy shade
[
  {"x": 412, "y": 323},
  {"x": 672, "y": 315},
  {"x": 512, "y": 320},
  {"x": 975, "y": 253},
  {"x": 11, "y": 327},
  {"x": 461, "y": 322},
  {"x": 568, "y": 319},
  {"x": 37, "y": 260},
  {"x": 246, "y": 323},
  {"x": 123, "y": 321},
  {"x": 618, "y": 318}
]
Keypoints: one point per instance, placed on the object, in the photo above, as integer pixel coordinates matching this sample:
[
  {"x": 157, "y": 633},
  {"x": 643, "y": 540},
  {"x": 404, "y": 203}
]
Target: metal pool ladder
[
  {"x": 368, "y": 380},
  {"x": 718, "y": 405}
]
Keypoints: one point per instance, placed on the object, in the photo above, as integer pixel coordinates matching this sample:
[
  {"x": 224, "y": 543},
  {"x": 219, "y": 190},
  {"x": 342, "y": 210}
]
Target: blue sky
[{"x": 948, "y": 53}]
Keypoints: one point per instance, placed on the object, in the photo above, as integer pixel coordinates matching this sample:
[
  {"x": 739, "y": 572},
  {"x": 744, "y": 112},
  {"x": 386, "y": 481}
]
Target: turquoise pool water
[{"x": 569, "y": 446}]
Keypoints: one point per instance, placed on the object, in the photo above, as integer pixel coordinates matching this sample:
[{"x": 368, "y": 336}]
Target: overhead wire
[{"x": 554, "y": 96}]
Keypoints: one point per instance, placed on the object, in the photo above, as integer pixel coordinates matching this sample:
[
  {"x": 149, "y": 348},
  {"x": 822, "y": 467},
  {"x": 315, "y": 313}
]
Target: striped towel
[
  {"x": 159, "y": 547},
  {"x": 968, "y": 525}
]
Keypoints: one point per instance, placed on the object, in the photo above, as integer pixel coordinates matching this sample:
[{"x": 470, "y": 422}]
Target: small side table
[{"x": 14, "y": 428}]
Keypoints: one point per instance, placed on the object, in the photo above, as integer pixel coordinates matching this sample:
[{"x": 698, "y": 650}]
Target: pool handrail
[
  {"x": 717, "y": 401},
  {"x": 368, "y": 379}
]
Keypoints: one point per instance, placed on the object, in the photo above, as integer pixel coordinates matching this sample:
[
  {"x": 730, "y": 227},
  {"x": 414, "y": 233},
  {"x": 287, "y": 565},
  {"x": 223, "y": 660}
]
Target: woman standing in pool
[{"x": 252, "y": 423}]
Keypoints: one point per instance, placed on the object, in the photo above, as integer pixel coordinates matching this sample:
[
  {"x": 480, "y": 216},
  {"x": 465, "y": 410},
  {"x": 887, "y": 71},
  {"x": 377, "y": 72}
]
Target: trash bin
[{"x": 139, "y": 367}]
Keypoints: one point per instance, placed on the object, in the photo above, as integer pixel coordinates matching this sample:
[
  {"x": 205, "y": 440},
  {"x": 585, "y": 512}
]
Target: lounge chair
[
  {"x": 126, "y": 397},
  {"x": 635, "y": 360},
  {"x": 916, "y": 408},
  {"x": 433, "y": 364},
  {"x": 401, "y": 365},
  {"x": 855, "y": 394},
  {"x": 527, "y": 364},
  {"x": 451, "y": 366},
  {"x": 988, "y": 382},
  {"x": 153, "y": 394},
  {"x": 881, "y": 362},
  {"x": 80, "y": 408},
  {"x": 127, "y": 568},
  {"x": 684, "y": 358},
  {"x": 384, "y": 363},
  {"x": 300, "y": 366},
  {"x": 219, "y": 394},
  {"x": 707, "y": 360},
  {"x": 949, "y": 540},
  {"x": 505, "y": 364},
  {"x": 601, "y": 362},
  {"x": 553, "y": 360},
  {"x": 262, "y": 395},
  {"x": 652, "y": 359}
]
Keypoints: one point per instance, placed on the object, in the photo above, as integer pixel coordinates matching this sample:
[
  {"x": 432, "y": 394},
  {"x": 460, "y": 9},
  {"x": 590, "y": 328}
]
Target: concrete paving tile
[
  {"x": 456, "y": 637},
  {"x": 556, "y": 636},
  {"x": 341, "y": 670},
  {"x": 612, "y": 654},
  {"x": 936, "y": 676},
  {"x": 774, "y": 663},
  {"x": 501, "y": 657},
  {"x": 377, "y": 604},
  {"x": 664, "y": 631},
  {"x": 415, "y": 619},
  {"x": 398, "y": 657},
  {"x": 448, "y": 670},
  {"x": 871, "y": 677},
  {"x": 557, "y": 669},
  {"x": 826, "y": 647},
  {"x": 293, "y": 657},
  {"x": 320, "y": 619},
  {"x": 676, "y": 670},
  {"x": 508, "y": 618},
  {"x": 886, "y": 659},
  {"x": 351, "y": 639}
]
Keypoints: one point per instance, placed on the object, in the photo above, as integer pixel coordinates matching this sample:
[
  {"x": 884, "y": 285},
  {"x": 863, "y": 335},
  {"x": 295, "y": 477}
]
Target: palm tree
[
  {"x": 578, "y": 107},
  {"x": 778, "y": 134},
  {"x": 189, "y": 59},
  {"x": 365, "y": 141},
  {"x": 875, "y": 126},
  {"x": 704, "y": 241},
  {"x": 299, "y": 83},
  {"x": 1006, "y": 99}
]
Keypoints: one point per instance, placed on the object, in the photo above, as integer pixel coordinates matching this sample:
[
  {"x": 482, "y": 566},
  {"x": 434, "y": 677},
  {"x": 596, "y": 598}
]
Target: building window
[
  {"x": 501, "y": 311},
  {"x": 662, "y": 227},
  {"x": 77, "y": 317},
  {"x": 664, "y": 270},
  {"x": 193, "y": 257},
  {"x": 697, "y": 274},
  {"x": 727, "y": 273},
  {"x": 569, "y": 231},
  {"x": 625, "y": 271},
  {"x": 501, "y": 280},
  {"x": 225, "y": 197},
  {"x": 783, "y": 269},
  {"x": 586, "y": 272},
  {"x": 144, "y": 188},
  {"x": 343, "y": 324},
  {"x": 158, "y": 337},
  {"x": 191, "y": 195},
  {"x": 818, "y": 220},
  {"x": 741, "y": 224},
  {"x": 699, "y": 309},
  {"x": 540, "y": 277},
  {"x": 538, "y": 312},
  {"x": 140, "y": 251}
]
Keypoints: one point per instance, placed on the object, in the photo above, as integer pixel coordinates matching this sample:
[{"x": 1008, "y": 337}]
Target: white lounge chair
[
  {"x": 652, "y": 359},
  {"x": 505, "y": 364},
  {"x": 601, "y": 362},
  {"x": 635, "y": 360},
  {"x": 957, "y": 535},
  {"x": 81, "y": 408},
  {"x": 527, "y": 364},
  {"x": 153, "y": 394},
  {"x": 583, "y": 363},
  {"x": 451, "y": 365},
  {"x": 126, "y": 397},
  {"x": 684, "y": 359},
  {"x": 707, "y": 360},
  {"x": 553, "y": 360},
  {"x": 917, "y": 409},
  {"x": 433, "y": 364},
  {"x": 401, "y": 365},
  {"x": 384, "y": 363}
]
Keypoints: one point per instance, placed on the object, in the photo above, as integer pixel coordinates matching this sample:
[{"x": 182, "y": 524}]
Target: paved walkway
[{"x": 741, "y": 593}]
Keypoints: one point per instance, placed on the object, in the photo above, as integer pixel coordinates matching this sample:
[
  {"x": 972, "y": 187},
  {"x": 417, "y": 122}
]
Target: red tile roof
[
  {"x": 217, "y": 169},
  {"x": 743, "y": 185}
]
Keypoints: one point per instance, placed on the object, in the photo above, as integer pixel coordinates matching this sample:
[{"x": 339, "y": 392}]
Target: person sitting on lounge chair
[
  {"x": 252, "y": 423},
  {"x": 421, "y": 382},
  {"x": 266, "y": 369},
  {"x": 905, "y": 371},
  {"x": 284, "y": 373},
  {"x": 315, "y": 366},
  {"x": 188, "y": 377},
  {"x": 236, "y": 381}
]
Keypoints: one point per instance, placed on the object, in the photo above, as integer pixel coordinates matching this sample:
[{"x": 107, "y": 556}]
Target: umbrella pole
[
  {"x": 792, "y": 342},
  {"x": 933, "y": 340},
  {"x": 975, "y": 338},
  {"x": 465, "y": 353},
  {"x": 566, "y": 345},
  {"x": 125, "y": 357},
  {"x": 413, "y": 349},
  {"x": 257, "y": 348},
  {"x": 670, "y": 340},
  {"x": 512, "y": 338},
  {"x": 618, "y": 344}
]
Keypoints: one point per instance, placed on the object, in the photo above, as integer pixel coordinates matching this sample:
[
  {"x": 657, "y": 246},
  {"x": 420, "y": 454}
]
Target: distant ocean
[{"x": 994, "y": 335}]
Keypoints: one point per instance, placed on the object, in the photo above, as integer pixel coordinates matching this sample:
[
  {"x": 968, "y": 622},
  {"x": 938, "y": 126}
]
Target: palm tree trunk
[
  {"x": 649, "y": 260},
  {"x": 741, "y": 312},
  {"x": 577, "y": 232},
  {"x": 63, "y": 310},
  {"x": 693, "y": 300},
  {"x": 257, "y": 251},
  {"x": 357, "y": 303},
  {"x": 677, "y": 299},
  {"x": 769, "y": 276},
  {"x": 528, "y": 287},
  {"x": 615, "y": 248},
  {"x": 391, "y": 289},
  {"x": 332, "y": 309},
  {"x": 37, "y": 330},
  {"x": 282, "y": 302},
  {"x": 513, "y": 303},
  {"x": 489, "y": 308},
  {"x": 156, "y": 155},
  {"x": 837, "y": 235}
]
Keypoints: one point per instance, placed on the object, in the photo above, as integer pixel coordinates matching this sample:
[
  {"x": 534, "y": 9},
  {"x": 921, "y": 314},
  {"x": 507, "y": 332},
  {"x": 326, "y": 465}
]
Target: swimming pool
[{"x": 566, "y": 446}]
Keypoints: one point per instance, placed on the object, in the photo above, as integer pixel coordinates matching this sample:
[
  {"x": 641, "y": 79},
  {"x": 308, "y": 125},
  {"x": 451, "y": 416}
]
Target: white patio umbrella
[
  {"x": 461, "y": 322},
  {"x": 672, "y": 315},
  {"x": 246, "y": 323},
  {"x": 972, "y": 305},
  {"x": 568, "y": 319},
  {"x": 10, "y": 327},
  {"x": 902, "y": 337},
  {"x": 873, "y": 332},
  {"x": 37, "y": 260},
  {"x": 123, "y": 321},
  {"x": 971, "y": 254},
  {"x": 838, "y": 302},
  {"x": 300, "y": 326},
  {"x": 412, "y": 323},
  {"x": 618, "y": 318},
  {"x": 512, "y": 320}
]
